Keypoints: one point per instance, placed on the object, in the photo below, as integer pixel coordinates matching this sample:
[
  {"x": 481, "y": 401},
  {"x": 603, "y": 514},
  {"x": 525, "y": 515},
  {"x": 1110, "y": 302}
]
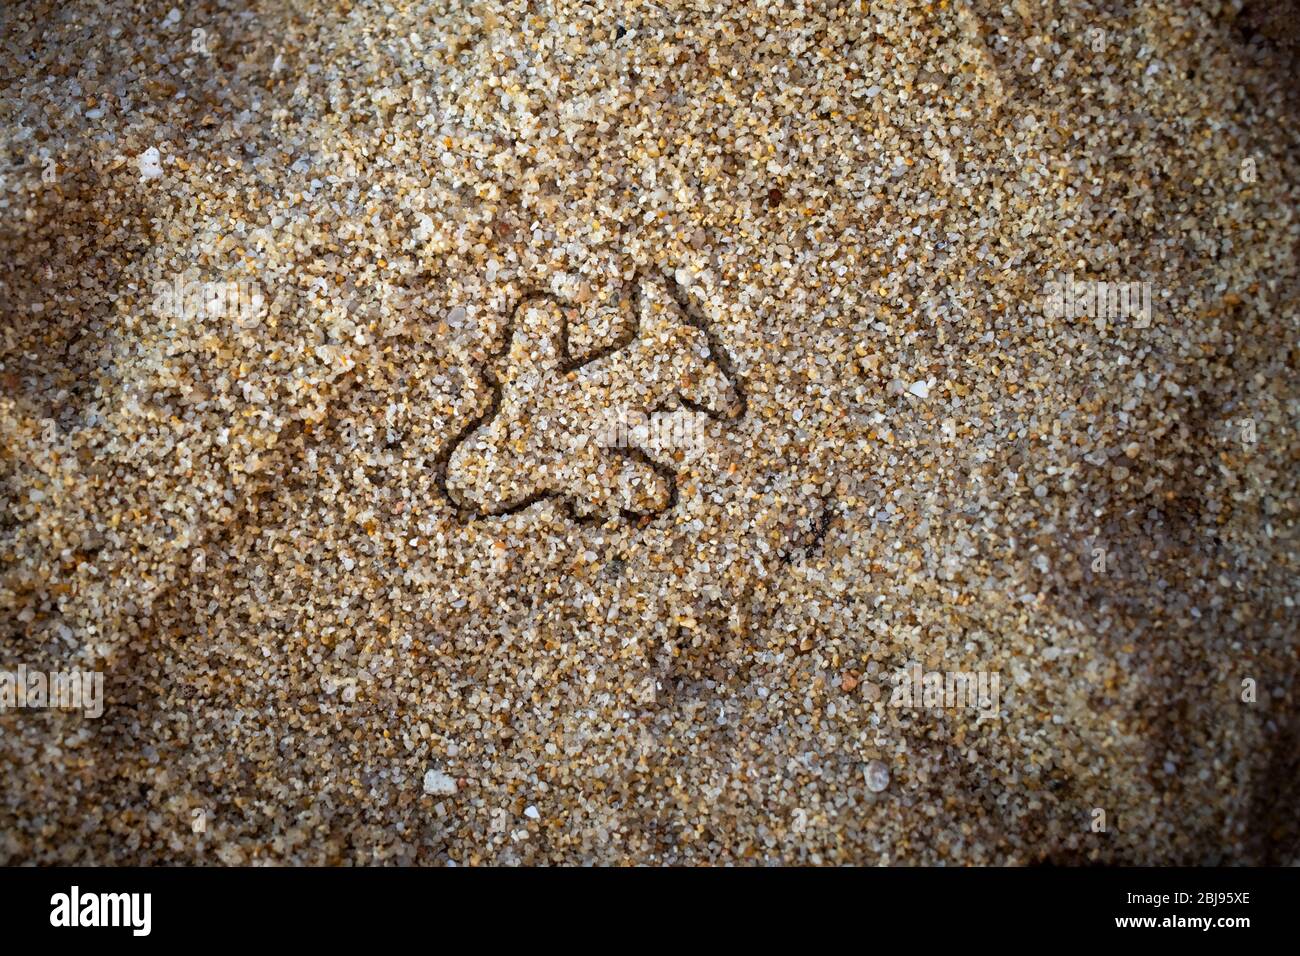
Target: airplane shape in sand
[{"x": 546, "y": 431}]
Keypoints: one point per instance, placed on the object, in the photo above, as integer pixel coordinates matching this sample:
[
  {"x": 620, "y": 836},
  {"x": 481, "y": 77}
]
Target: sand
[{"x": 315, "y": 324}]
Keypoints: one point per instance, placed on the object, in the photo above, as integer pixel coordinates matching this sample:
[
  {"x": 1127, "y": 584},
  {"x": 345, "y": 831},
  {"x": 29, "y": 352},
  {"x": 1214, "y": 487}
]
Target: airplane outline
[{"x": 570, "y": 363}]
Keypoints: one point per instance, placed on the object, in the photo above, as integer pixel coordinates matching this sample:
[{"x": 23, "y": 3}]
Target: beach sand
[{"x": 234, "y": 374}]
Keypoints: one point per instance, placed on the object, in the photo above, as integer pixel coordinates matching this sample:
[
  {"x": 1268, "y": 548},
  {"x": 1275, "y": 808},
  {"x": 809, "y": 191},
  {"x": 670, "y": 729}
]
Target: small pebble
[{"x": 877, "y": 776}]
